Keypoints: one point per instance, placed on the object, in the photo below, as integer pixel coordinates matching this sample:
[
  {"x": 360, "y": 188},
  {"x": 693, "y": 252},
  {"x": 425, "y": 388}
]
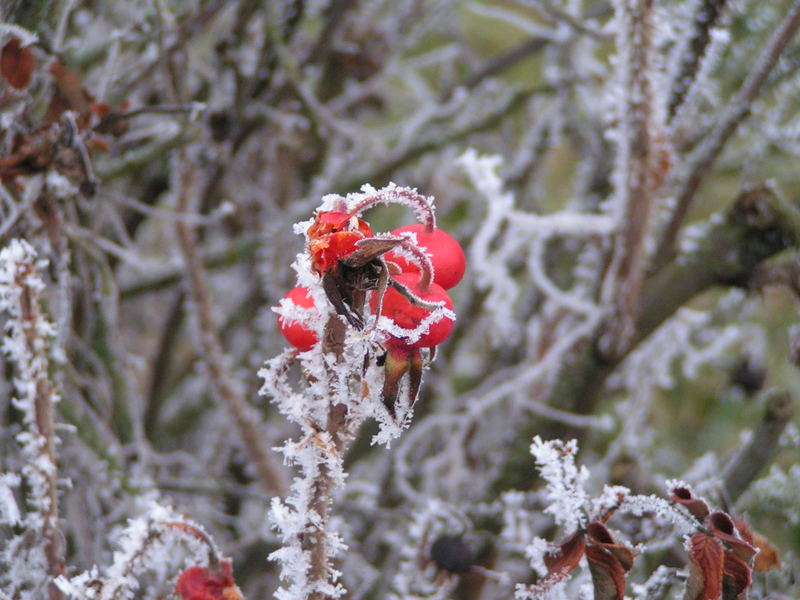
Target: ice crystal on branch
[
  {"x": 147, "y": 550},
  {"x": 25, "y": 344},
  {"x": 566, "y": 496}
]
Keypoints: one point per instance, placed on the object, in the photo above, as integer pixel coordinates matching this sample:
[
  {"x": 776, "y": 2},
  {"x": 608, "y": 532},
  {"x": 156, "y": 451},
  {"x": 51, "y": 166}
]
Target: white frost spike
[
  {"x": 9, "y": 511},
  {"x": 566, "y": 497}
]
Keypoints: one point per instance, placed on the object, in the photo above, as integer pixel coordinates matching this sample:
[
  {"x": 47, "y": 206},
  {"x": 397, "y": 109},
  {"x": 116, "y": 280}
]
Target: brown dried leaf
[
  {"x": 599, "y": 535},
  {"x": 17, "y": 63},
  {"x": 70, "y": 95},
  {"x": 696, "y": 506},
  {"x": 721, "y": 525},
  {"x": 560, "y": 563},
  {"x": 736, "y": 577},
  {"x": 567, "y": 557},
  {"x": 768, "y": 557},
  {"x": 705, "y": 568},
  {"x": 608, "y": 575}
]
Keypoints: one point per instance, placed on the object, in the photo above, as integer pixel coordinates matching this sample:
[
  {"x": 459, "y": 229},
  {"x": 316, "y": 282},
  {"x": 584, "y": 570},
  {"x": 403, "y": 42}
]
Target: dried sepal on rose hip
[
  {"x": 347, "y": 257},
  {"x": 409, "y": 303}
]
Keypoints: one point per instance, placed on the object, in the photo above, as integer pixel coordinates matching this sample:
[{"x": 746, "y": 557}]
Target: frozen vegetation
[{"x": 239, "y": 358}]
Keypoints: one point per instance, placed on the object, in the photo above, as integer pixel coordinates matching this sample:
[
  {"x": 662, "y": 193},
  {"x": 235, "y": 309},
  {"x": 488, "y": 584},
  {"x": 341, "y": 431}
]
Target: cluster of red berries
[
  {"x": 406, "y": 275},
  {"x": 446, "y": 256}
]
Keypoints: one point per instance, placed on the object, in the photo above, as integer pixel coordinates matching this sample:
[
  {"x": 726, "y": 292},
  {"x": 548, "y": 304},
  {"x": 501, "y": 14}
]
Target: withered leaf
[
  {"x": 567, "y": 557},
  {"x": 705, "y": 568},
  {"x": 767, "y": 558},
  {"x": 736, "y": 577},
  {"x": 608, "y": 575},
  {"x": 598, "y": 534},
  {"x": 17, "y": 63},
  {"x": 696, "y": 506},
  {"x": 721, "y": 525},
  {"x": 69, "y": 95},
  {"x": 560, "y": 562}
]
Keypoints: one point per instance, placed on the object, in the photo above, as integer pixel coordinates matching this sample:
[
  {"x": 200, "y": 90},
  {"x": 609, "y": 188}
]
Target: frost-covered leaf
[
  {"x": 722, "y": 526},
  {"x": 696, "y": 506},
  {"x": 736, "y": 578}
]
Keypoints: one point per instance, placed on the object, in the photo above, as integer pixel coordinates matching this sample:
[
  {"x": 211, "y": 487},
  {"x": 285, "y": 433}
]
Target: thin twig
[
  {"x": 705, "y": 156},
  {"x": 225, "y": 390},
  {"x": 705, "y": 19},
  {"x": 636, "y": 176}
]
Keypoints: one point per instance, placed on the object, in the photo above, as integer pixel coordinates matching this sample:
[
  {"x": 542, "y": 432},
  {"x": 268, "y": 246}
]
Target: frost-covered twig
[
  {"x": 26, "y": 345},
  {"x": 703, "y": 158},
  {"x": 707, "y": 14},
  {"x": 146, "y": 544},
  {"x": 635, "y": 177}
]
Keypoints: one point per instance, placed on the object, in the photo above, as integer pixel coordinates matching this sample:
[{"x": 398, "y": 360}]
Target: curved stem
[{"x": 392, "y": 194}]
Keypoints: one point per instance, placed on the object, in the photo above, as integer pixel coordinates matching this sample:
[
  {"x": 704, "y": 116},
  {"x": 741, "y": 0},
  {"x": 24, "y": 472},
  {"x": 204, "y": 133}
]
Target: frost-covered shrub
[{"x": 622, "y": 179}]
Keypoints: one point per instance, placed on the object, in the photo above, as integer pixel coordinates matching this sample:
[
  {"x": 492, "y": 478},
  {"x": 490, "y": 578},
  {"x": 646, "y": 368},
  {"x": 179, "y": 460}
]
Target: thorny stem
[
  {"x": 244, "y": 415},
  {"x": 43, "y": 407},
  {"x": 316, "y": 541},
  {"x": 422, "y": 208},
  {"x": 638, "y": 184},
  {"x": 706, "y": 155}
]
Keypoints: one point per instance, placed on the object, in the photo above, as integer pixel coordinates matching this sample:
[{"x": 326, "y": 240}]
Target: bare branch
[
  {"x": 635, "y": 177},
  {"x": 225, "y": 390},
  {"x": 762, "y": 448}
]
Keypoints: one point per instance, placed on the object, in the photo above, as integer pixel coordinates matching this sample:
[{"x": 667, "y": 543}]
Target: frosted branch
[{"x": 25, "y": 344}]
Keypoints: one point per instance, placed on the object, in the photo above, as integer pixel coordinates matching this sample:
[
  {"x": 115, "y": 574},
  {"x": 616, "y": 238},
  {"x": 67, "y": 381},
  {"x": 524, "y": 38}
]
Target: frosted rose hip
[
  {"x": 296, "y": 334},
  {"x": 406, "y": 315},
  {"x": 447, "y": 257}
]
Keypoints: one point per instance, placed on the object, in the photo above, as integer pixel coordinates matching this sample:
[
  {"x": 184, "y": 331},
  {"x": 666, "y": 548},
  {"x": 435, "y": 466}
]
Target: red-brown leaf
[
  {"x": 17, "y": 63},
  {"x": 722, "y": 526},
  {"x": 70, "y": 94},
  {"x": 598, "y": 534},
  {"x": 696, "y": 506},
  {"x": 560, "y": 563},
  {"x": 767, "y": 558},
  {"x": 737, "y": 576},
  {"x": 567, "y": 557},
  {"x": 608, "y": 575},
  {"x": 705, "y": 568}
]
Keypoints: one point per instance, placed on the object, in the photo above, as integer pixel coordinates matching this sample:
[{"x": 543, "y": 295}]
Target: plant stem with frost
[
  {"x": 636, "y": 178},
  {"x": 26, "y": 345}
]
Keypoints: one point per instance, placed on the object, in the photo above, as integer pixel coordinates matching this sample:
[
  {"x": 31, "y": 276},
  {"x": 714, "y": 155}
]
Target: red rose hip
[
  {"x": 296, "y": 334},
  {"x": 447, "y": 257},
  {"x": 408, "y": 316}
]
